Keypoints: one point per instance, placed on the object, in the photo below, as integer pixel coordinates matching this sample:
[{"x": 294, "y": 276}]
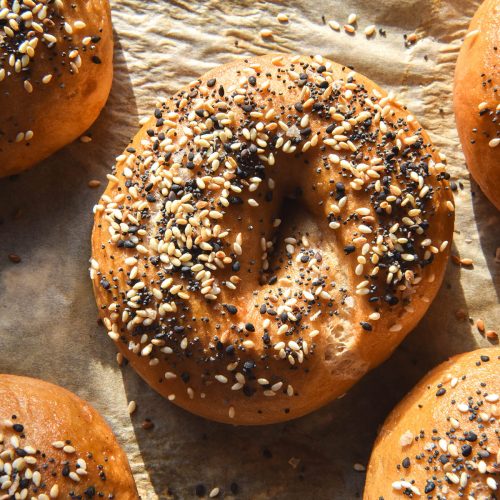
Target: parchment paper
[{"x": 48, "y": 325}]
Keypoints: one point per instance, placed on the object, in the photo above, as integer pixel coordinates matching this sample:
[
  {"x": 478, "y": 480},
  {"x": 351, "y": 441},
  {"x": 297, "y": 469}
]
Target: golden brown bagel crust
[
  {"x": 64, "y": 77},
  {"x": 477, "y": 100},
  {"x": 74, "y": 452},
  {"x": 442, "y": 441},
  {"x": 269, "y": 326}
]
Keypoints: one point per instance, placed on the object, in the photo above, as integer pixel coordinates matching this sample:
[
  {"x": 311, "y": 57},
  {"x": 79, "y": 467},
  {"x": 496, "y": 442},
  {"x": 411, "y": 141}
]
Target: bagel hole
[{"x": 297, "y": 221}]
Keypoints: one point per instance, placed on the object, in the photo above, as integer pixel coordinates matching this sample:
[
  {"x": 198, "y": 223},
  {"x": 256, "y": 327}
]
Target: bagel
[
  {"x": 477, "y": 100},
  {"x": 56, "y": 67},
  {"x": 270, "y": 235},
  {"x": 442, "y": 440},
  {"x": 55, "y": 445}
]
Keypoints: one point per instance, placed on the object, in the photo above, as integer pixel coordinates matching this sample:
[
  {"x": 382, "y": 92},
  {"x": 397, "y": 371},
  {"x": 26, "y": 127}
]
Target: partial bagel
[
  {"x": 270, "y": 235},
  {"x": 56, "y": 67},
  {"x": 477, "y": 98},
  {"x": 443, "y": 440},
  {"x": 53, "y": 445}
]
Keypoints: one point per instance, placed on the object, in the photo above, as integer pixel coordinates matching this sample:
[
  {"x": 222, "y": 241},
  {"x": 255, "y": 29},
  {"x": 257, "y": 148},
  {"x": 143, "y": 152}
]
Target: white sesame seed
[
  {"x": 334, "y": 25},
  {"x": 282, "y": 329},
  {"x": 74, "y": 476},
  {"x": 370, "y": 30},
  {"x": 132, "y": 406},
  {"x": 492, "y": 484}
]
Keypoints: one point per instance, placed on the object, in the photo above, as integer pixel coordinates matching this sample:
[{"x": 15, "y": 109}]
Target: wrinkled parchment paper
[{"x": 48, "y": 318}]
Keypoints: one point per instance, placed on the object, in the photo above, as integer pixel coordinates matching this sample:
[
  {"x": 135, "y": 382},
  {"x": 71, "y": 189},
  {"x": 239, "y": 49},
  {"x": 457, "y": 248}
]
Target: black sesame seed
[
  {"x": 231, "y": 309},
  {"x": 248, "y": 366},
  {"x": 391, "y": 299},
  {"x": 429, "y": 487},
  {"x": 471, "y": 436},
  {"x": 90, "y": 492},
  {"x": 466, "y": 450}
]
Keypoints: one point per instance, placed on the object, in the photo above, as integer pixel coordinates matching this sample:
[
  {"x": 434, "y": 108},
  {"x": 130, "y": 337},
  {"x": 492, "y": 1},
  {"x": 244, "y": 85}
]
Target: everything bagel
[
  {"x": 476, "y": 99},
  {"x": 441, "y": 440},
  {"x": 270, "y": 235},
  {"x": 56, "y": 67},
  {"x": 53, "y": 445}
]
